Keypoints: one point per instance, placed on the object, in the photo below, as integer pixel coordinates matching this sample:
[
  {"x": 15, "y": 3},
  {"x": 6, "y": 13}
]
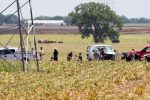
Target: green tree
[
  {"x": 125, "y": 19},
  {"x": 42, "y": 18},
  {"x": 1, "y": 19},
  {"x": 57, "y": 18},
  {"x": 67, "y": 20},
  {"x": 96, "y": 19},
  {"x": 11, "y": 19}
]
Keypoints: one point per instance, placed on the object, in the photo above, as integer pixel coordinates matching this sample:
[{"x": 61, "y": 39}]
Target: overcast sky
[{"x": 129, "y": 8}]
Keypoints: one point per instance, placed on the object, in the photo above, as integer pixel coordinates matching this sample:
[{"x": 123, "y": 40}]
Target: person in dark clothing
[
  {"x": 55, "y": 55},
  {"x": 102, "y": 54},
  {"x": 80, "y": 57},
  {"x": 69, "y": 56},
  {"x": 41, "y": 53}
]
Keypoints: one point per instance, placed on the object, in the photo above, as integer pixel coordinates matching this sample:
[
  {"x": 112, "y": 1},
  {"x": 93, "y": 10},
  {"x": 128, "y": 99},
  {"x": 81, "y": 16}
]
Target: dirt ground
[{"x": 72, "y": 29}]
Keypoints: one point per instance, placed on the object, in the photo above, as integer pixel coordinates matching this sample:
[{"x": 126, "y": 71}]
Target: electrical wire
[
  {"x": 7, "y": 7},
  {"x": 14, "y": 12}
]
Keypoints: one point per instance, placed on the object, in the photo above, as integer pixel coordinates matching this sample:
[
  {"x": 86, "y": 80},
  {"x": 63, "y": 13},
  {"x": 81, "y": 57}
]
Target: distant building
[{"x": 47, "y": 22}]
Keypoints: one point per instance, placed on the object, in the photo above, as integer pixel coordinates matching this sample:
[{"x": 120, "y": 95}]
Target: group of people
[
  {"x": 54, "y": 56},
  {"x": 70, "y": 56},
  {"x": 99, "y": 54}
]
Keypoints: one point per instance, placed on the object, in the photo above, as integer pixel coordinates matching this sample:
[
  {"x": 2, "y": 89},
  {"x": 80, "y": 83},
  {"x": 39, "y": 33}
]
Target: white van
[
  {"x": 108, "y": 51},
  {"x": 13, "y": 54}
]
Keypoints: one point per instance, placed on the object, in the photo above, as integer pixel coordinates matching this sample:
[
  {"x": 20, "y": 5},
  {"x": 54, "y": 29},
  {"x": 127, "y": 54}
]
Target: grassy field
[
  {"x": 103, "y": 80},
  {"x": 76, "y": 44}
]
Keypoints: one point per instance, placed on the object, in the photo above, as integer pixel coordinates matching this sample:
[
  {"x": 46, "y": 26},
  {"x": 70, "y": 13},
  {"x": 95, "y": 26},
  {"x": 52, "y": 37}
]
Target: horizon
[{"x": 51, "y": 8}]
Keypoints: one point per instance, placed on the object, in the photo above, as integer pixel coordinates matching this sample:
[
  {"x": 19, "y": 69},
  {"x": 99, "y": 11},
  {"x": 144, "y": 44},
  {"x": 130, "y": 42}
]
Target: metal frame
[{"x": 20, "y": 28}]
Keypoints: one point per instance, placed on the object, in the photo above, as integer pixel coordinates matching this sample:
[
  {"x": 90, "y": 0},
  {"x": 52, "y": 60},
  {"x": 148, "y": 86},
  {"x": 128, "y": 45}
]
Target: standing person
[
  {"x": 41, "y": 53},
  {"x": 55, "y": 55},
  {"x": 96, "y": 55},
  {"x": 33, "y": 51},
  {"x": 102, "y": 54},
  {"x": 132, "y": 55},
  {"x": 69, "y": 56},
  {"x": 80, "y": 57}
]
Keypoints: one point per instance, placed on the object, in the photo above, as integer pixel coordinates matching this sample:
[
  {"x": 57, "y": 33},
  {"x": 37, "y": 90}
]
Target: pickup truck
[
  {"x": 143, "y": 54},
  {"x": 14, "y": 54}
]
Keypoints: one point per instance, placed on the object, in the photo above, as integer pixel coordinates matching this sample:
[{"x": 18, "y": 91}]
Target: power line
[
  {"x": 7, "y": 7},
  {"x": 14, "y": 12}
]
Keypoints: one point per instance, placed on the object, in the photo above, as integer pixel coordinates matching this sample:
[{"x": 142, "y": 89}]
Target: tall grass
[
  {"x": 75, "y": 80},
  {"x": 100, "y": 80},
  {"x": 10, "y": 66}
]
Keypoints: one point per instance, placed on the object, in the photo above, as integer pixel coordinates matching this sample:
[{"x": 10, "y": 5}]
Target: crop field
[
  {"x": 70, "y": 29},
  {"x": 62, "y": 80},
  {"x": 126, "y": 29}
]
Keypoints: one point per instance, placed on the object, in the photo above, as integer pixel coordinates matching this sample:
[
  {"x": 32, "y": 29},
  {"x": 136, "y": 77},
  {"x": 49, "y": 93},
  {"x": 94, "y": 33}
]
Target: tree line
[
  {"x": 8, "y": 19},
  {"x": 68, "y": 20},
  {"x": 12, "y": 19},
  {"x": 135, "y": 20}
]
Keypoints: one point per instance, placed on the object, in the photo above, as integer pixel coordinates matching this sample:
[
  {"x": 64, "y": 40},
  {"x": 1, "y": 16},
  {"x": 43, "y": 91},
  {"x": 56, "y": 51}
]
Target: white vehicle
[
  {"x": 108, "y": 51},
  {"x": 14, "y": 54}
]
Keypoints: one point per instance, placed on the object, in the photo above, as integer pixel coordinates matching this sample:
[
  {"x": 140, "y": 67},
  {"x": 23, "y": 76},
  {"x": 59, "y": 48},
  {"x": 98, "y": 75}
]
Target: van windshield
[
  {"x": 108, "y": 49},
  {"x": 7, "y": 51}
]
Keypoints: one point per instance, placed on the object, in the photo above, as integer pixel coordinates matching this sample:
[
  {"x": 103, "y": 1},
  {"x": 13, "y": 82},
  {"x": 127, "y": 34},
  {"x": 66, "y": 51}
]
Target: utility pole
[
  {"x": 33, "y": 30},
  {"x": 21, "y": 36}
]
